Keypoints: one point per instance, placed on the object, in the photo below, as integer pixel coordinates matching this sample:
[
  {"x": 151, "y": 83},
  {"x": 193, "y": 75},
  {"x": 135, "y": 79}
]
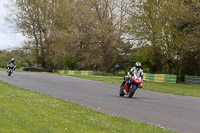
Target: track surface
[{"x": 177, "y": 113}]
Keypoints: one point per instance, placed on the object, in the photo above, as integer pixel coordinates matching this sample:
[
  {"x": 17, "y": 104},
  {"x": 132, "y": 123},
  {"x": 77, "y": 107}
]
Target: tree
[
  {"x": 170, "y": 31},
  {"x": 31, "y": 18},
  {"x": 184, "y": 19},
  {"x": 89, "y": 30}
]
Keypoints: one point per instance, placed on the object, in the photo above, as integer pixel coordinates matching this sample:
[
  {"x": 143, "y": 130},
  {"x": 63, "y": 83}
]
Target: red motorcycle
[{"x": 130, "y": 86}]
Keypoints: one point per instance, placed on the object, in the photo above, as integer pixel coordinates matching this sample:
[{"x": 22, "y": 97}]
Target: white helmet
[
  {"x": 12, "y": 59},
  {"x": 138, "y": 65}
]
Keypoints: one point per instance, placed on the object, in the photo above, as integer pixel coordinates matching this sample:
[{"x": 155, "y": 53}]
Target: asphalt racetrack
[{"x": 177, "y": 113}]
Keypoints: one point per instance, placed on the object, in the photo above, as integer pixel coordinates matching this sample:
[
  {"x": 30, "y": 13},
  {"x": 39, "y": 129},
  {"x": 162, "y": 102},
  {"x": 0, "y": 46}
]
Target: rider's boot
[{"x": 123, "y": 83}]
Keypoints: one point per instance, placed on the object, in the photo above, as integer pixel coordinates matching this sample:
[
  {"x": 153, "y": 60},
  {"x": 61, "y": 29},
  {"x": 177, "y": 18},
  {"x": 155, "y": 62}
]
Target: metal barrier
[
  {"x": 193, "y": 80},
  {"x": 75, "y": 72},
  {"x": 147, "y": 76}
]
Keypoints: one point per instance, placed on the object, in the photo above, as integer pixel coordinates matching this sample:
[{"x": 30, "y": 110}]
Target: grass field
[
  {"x": 172, "y": 88},
  {"x": 25, "y": 111}
]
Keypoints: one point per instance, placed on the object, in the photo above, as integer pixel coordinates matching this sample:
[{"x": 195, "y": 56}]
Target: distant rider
[
  {"x": 136, "y": 70},
  {"x": 12, "y": 61}
]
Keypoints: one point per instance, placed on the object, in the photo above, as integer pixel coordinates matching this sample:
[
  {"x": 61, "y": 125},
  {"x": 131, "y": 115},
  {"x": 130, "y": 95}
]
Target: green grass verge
[
  {"x": 25, "y": 111},
  {"x": 16, "y": 70},
  {"x": 178, "y": 89},
  {"x": 172, "y": 88}
]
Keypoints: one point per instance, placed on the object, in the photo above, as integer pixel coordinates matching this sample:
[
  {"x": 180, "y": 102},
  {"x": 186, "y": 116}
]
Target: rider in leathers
[
  {"x": 136, "y": 70},
  {"x": 12, "y": 61}
]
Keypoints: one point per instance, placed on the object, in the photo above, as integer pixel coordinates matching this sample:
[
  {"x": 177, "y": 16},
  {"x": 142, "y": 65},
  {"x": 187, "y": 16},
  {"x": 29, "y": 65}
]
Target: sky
[{"x": 9, "y": 38}]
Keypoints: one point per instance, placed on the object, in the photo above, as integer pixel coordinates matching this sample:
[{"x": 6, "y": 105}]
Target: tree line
[
  {"x": 22, "y": 58},
  {"x": 111, "y": 35}
]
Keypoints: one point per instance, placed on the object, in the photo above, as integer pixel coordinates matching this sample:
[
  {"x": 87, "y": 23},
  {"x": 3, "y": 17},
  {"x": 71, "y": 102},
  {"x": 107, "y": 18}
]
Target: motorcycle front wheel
[
  {"x": 132, "y": 91},
  {"x": 9, "y": 73}
]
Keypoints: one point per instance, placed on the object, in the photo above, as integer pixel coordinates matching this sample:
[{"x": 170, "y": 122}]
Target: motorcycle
[
  {"x": 10, "y": 69},
  {"x": 129, "y": 90}
]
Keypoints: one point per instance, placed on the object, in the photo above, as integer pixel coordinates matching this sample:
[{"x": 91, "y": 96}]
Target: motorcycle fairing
[
  {"x": 135, "y": 81},
  {"x": 126, "y": 88}
]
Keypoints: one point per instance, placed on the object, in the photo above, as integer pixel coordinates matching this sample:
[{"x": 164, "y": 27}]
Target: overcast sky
[{"x": 9, "y": 39}]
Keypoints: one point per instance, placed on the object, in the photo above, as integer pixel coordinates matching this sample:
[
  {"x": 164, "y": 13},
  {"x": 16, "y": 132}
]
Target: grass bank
[
  {"x": 16, "y": 70},
  {"x": 172, "y": 88},
  {"x": 26, "y": 111}
]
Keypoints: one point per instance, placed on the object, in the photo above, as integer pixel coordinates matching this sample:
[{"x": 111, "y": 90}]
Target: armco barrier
[
  {"x": 194, "y": 80},
  {"x": 160, "y": 77},
  {"x": 147, "y": 76},
  {"x": 75, "y": 72},
  {"x": 170, "y": 78}
]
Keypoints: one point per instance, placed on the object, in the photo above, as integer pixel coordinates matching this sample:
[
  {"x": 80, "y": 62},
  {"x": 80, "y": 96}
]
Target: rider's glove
[{"x": 126, "y": 78}]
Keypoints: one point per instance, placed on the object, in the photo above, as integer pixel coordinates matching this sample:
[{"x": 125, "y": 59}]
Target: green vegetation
[
  {"x": 22, "y": 59},
  {"x": 179, "y": 89},
  {"x": 167, "y": 36},
  {"x": 3, "y": 60},
  {"x": 16, "y": 70},
  {"x": 172, "y": 88},
  {"x": 26, "y": 111}
]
